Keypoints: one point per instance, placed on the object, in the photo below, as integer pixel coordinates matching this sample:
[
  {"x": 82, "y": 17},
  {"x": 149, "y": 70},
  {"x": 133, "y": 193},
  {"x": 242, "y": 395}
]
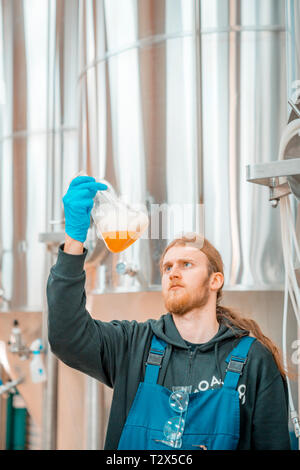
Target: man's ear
[{"x": 216, "y": 281}]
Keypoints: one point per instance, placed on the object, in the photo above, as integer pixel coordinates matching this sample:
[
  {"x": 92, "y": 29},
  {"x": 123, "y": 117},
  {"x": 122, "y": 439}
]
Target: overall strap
[
  {"x": 155, "y": 357},
  {"x": 236, "y": 360}
]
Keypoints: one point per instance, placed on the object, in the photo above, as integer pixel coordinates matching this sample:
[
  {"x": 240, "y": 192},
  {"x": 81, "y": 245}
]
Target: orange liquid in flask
[{"x": 117, "y": 241}]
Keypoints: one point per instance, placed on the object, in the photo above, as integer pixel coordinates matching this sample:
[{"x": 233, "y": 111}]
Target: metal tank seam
[
  {"x": 148, "y": 41},
  {"x": 139, "y": 44},
  {"x": 22, "y": 134}
]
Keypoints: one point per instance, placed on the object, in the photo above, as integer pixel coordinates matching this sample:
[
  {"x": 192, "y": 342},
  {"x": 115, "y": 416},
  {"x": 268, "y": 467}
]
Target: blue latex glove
[{"x": 78, "y": 203}]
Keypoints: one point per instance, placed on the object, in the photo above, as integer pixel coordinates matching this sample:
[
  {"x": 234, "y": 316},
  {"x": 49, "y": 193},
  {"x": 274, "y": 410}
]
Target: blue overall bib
[{"x": 212, "y": 419}]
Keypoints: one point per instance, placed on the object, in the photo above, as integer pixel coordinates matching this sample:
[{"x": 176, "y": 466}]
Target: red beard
[{"x": 179, "y": 301}]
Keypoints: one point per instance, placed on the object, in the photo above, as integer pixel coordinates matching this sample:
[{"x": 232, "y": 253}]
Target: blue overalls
[{"x": 212, "y": 417}]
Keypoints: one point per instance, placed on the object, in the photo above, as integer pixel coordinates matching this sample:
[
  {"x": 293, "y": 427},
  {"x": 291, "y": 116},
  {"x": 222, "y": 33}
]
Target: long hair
[{"x": 226, "y": 315}]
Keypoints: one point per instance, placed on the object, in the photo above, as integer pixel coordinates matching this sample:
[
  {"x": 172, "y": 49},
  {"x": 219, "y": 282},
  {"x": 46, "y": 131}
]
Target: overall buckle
[
  {"x": 155, "y": 358},
  {"x": 236, "y": 364}
]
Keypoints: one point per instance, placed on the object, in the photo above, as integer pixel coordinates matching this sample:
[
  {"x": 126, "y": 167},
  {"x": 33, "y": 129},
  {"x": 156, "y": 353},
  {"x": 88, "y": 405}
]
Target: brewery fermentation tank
[
  {"x": 169, "y": 109},
  {"x": 38, "y": 135},
  {"x": 176, "y": 97},
  {"x": 38, "y": 156},
  {"x": 168, "y": 100},
  {"x": 293, "y": 86}
]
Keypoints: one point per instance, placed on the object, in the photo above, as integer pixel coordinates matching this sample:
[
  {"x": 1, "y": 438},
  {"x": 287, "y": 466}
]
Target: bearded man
[{"x": 201, "y": 377}]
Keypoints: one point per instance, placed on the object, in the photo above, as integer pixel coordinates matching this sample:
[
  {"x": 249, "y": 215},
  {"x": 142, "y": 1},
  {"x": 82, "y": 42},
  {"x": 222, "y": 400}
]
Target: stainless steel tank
[
  {"x": 38, "y": 158},
  {"x": 169, "y": 109},
  {"x": 177, "y": 97},
  {"x": 167, "y": 99},
  {"x": 38, "y": 139},
  {"x": 293, "y": 84}
]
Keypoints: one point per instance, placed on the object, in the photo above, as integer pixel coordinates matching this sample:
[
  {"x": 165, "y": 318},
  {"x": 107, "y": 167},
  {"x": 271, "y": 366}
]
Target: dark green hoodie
[{"x": 115, "y": 353}]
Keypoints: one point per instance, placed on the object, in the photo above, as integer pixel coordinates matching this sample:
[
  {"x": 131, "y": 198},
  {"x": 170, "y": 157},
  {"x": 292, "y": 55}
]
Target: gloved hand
[{"x": 78, "y": 203}]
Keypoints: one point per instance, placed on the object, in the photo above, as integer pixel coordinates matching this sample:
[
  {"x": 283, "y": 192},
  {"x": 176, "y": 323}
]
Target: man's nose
[{"x": 175, "y": 272}]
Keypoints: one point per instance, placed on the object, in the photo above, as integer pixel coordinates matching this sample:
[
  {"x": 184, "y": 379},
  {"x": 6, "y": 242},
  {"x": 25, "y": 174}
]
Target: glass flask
[{"x": 116, "y": 222}]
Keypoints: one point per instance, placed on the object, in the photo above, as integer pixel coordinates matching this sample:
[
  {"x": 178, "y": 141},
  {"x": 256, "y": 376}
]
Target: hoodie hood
[{"x": 166, "y": 330}]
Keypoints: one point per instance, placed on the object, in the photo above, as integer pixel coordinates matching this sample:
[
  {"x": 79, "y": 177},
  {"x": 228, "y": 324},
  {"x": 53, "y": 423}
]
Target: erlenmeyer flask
[{"x": 119, "y": 224}]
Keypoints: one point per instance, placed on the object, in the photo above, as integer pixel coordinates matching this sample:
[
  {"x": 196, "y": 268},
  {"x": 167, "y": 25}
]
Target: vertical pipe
[
  {"x": 62, "y": 161},
  {"x": 292, "y": 11},
  {"x": 93, "y": 424},
  {"x": 234, "y": 132},
  {"x": 49, "y": 428},
  {"x": 93, "y": 407},
  {"x": 50, "y": 392},
  {"x": 199, "y": 130},
  {"x": 49, "y": 414}
]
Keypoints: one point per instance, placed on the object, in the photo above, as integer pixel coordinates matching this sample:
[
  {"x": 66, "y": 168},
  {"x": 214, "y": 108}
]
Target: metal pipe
[
  {"x": 198, "y": 91},
  {"x": 50, "y": 391},
  {"x": 49, "y": 427},
  {"x": 62, "y": 163},
  {"x": 93, "y": 423}
]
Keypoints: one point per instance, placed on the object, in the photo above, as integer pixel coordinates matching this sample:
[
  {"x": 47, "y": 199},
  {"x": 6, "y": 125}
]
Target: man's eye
[{"x": 187, "y": 262}]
